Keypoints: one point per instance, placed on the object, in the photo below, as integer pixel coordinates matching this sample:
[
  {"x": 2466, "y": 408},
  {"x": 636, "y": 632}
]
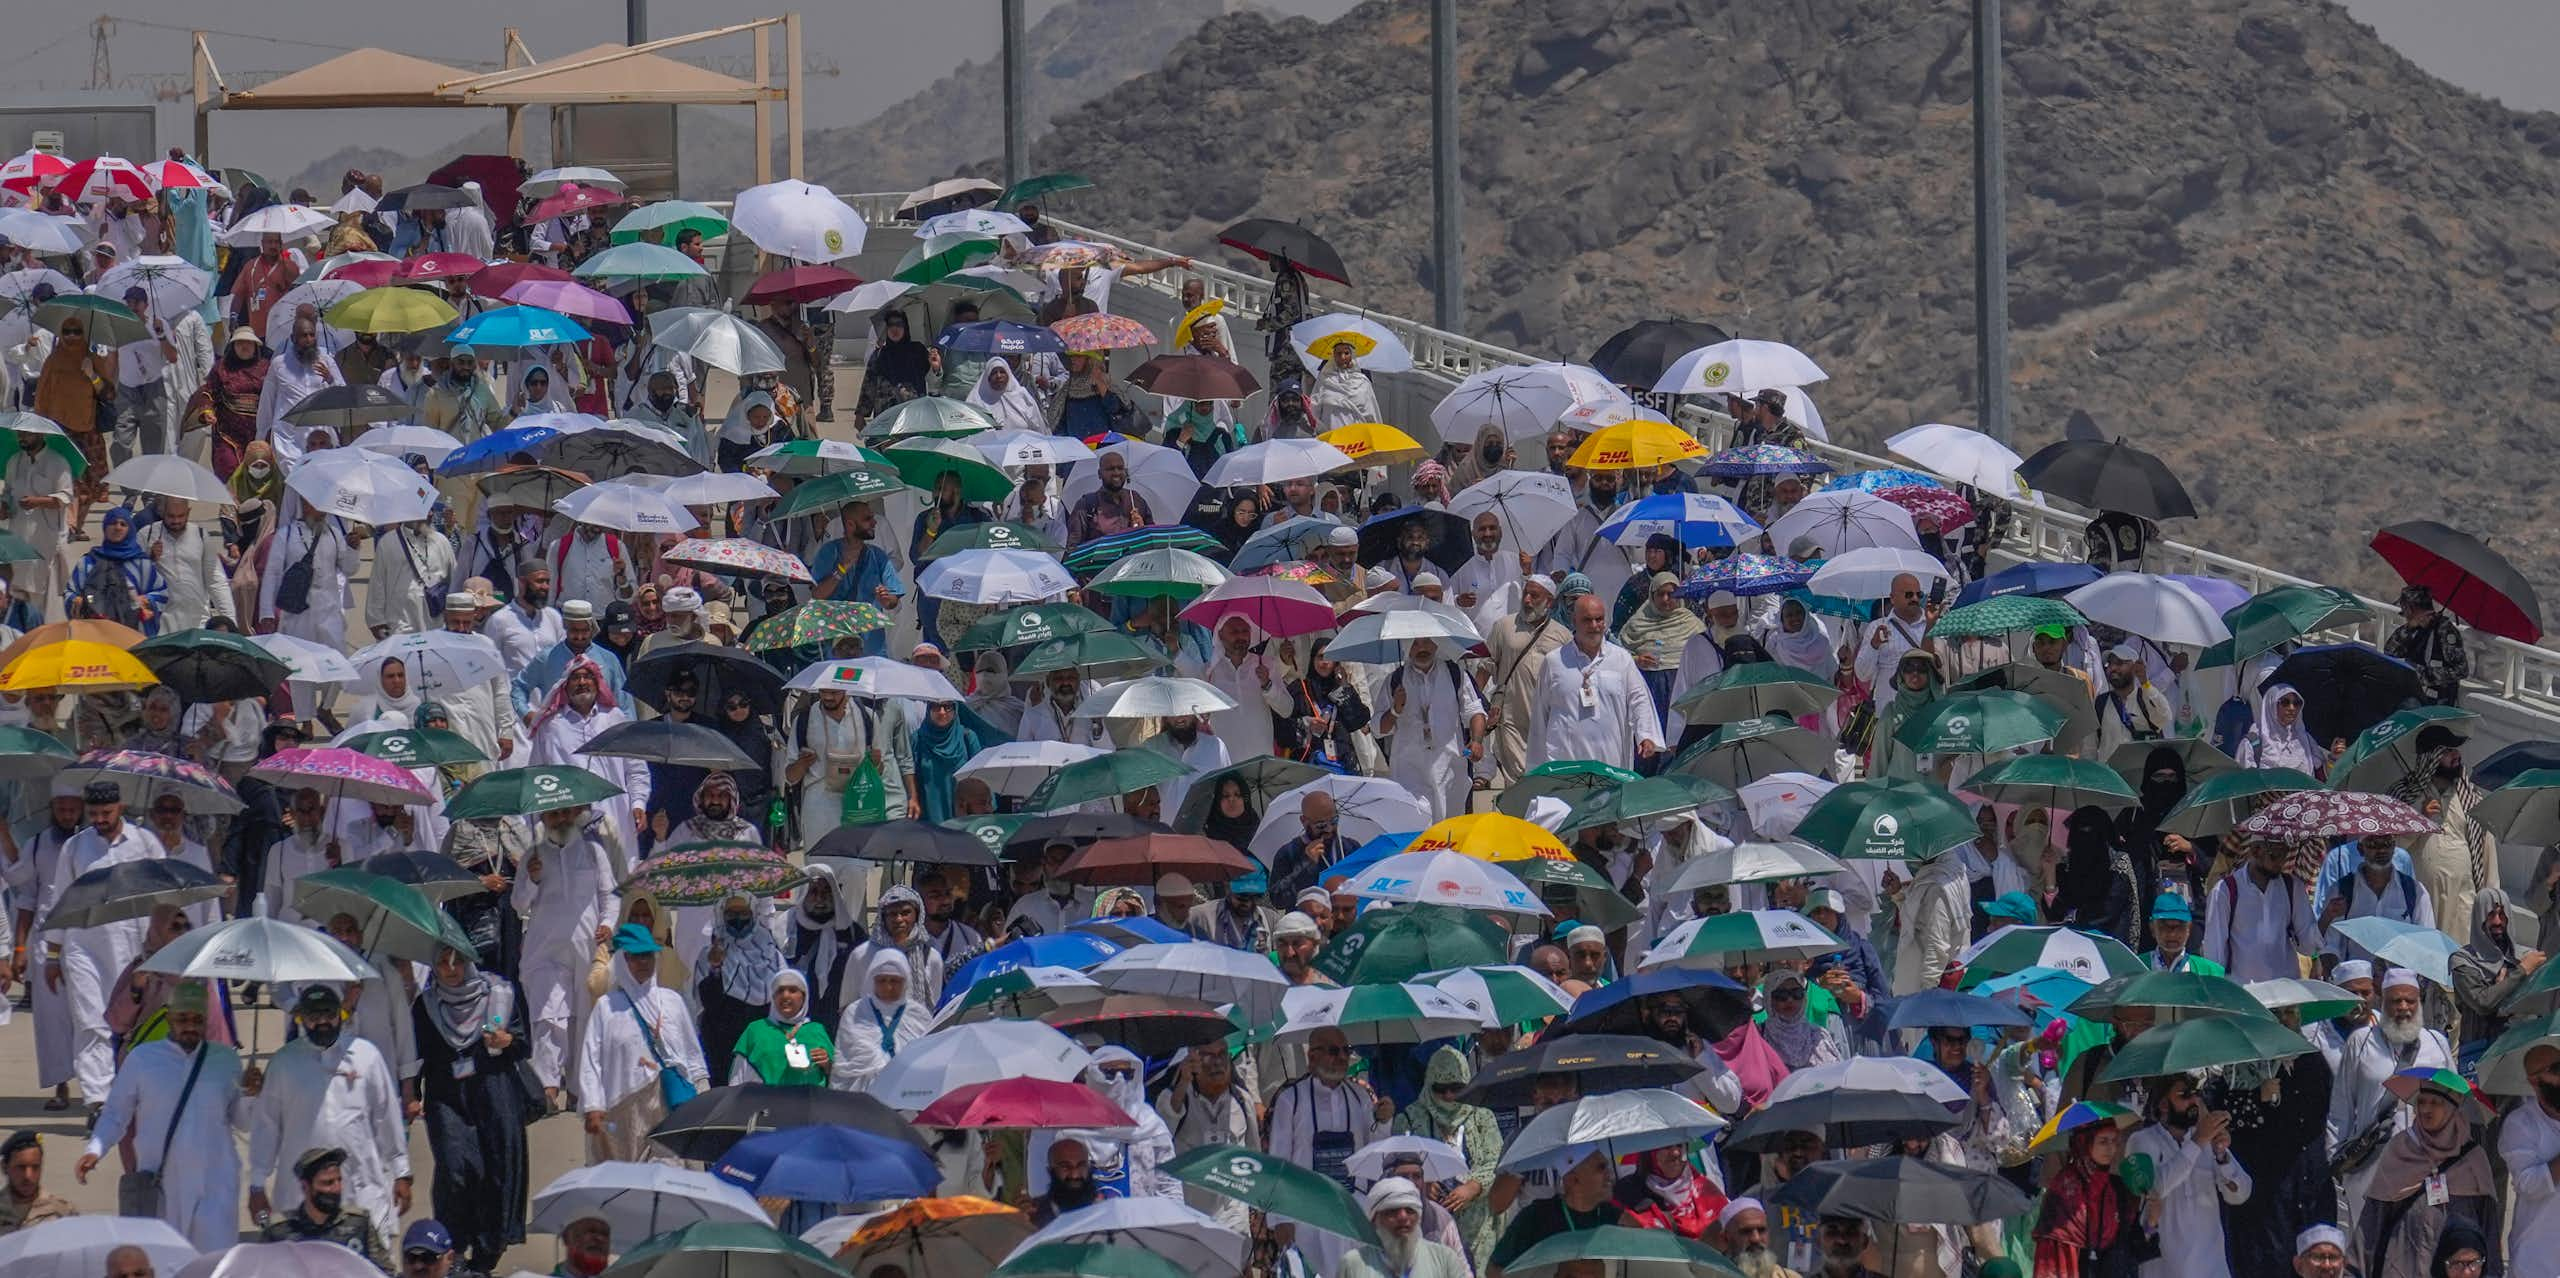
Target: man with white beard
[
  {"x": 1395, "y": 1207},
  {"x": 2398, "y": 1039},
  {"x": 565, "y": 892},
  {"x": 580, "y": 708},
  {"x": 191, "y": 559},
  {"x": 309, "y": 849},
  {"x": 1746, "y": 1239},
  {"x": 1183, "y": 742},
  {"x": 82, "y": 963},
  {"x": 1317, "y": 1120},
  {"x": 1434, "y": 723}
]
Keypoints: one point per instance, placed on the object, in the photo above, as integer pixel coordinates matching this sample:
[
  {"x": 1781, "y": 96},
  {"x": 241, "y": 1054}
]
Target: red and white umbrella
[
  {"x": 737, "y": 556},
  {"x": 2334, "y": 814},
  {"x": 101, "y": 176},
  {"x": 178, "y": 175},
  {"x": 24, "y": 172}
]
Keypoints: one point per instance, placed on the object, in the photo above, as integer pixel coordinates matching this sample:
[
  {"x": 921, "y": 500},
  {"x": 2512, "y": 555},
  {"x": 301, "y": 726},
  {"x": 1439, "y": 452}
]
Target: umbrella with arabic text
[
  {"x": 709, "y": 873},
  {"x": 1273, "y": 1185}
]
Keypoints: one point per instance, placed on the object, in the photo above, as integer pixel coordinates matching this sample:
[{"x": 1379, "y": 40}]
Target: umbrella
[
  {"x": 919, "y": 841},
  {"x": 2423, "y": 950},
  {"x": 724, "y": 1249},
  {"x": 947, "y": 1060},
  {"x": 1502, "y": 994},
  {"x": 717, "y": 338},
  {"x": 1962, "y": 454},
  {"x": 1275, "y": 606},
  {"x": 876, "y": 677},
  {"x": 832, "y": 491},
  {"x": 2280, "y": 616},
  {"x": 1444, "y": 878},
  {"x": 1162, "y": 1226},
  {"x": 1845, "y": 1119},
  {"x": 1984, "y": 722},
  {"x": 2108, "y": 476},
  {"x": 828, "y": 1163},
  {"x": 995, "y": 577},
  {"x": 440, "y": 266},
  {"x": 1374, "y": 346},
  {"x": 422, "y": 197},
  {"x": 258, "y": 948},
  {"x": 145, "y": 776},
  {"x": 1756, "y": 690},
  {"x": 720, "y": 671},
  {"x": 2079, "y": 1114},
  {"x": 346, "y": 407},
  {"x": 2333, "y": 815},
  {"x": 704, "y": 1128},
  {"x": 26, "y": 753},
  {"x": 1697, "y": 519},
  {"x": 2205, "y": 1042},
  {"x": 1490, "y": 836},
  {"x": 943, "y": 416},
  {"x": 1088, "y": 1260},
  {"x": 1161, "y": 573},
  {"x": 614, "y": 450},
  {"x": 107, "y": 320},
  {"x": 1636, "y": 802},
  {"x": 363, "y": 485},
  {"x": 394, "y": 919},
  {"x": 1573, "y": 889},
  {"x": 1639, "y": 354},
  {"x": 551, "y": 181},
  {"x": 1276, "y": 461},
  {"x": 1935, "y": 1008},
  {"x": 817, "y": 621},
  {"x": 1622, "y": 1252},
  {"x": 210, "y": 665},
  {"x": 1871, "y": 1074},
  {"x": 571, "y": 197},
  {"x": 391, "y": 310},
  {"x": 1738, "y": 366},
  {"x": 709, "y": 873},
  {"x": 1152, "y": 1025},
  {"x": 1637, "y": 444},
  {"x": 1199, "y": 970},
  {"x": 1205, "y": 377},
  {"x": 1870, "y": 572},
  {"x": 2155, "y": 607},
  {"x": 2062, "y": 689},
  {"x": 1400, "y": 944},
  {"x": 1520, "y": 400},
  {"x": 519, "y": 326},
  {"x": 923, "y": 463},
  {"x": 2524, "y": 810},
  {"x": 961, "y": 1234},
  {"x": 1014, "y": 449},
  {"x": 1845, "y": 520},
  {"x": 1015, "y": 768},
  {"x": 1102, "y": 331},
  {"x": 565, "y": 297},
  {"x": 2055, "y": 780},
  {"x": 2016, "y": 947},
  {"x": 44, "y": 234},
  {"x": 281, "y": 1260},
  {"x": 1901, "y": 1190},
  {"x": 1600, "y": 1063},
  {"x": 1369, "y": 1015},
  {"x": 438, "y": 661},
  {"x": 131, "y": 890},
  {"x": 1720, "y": 940},
  {"x": 1741, "y": 752},
  {"x": 1751, "y": 863},
  {"x": 2005, "y": 614},
  {"x": 1715, "y": 1005},
  {"x": 439, "y": 876},
  {"x": 639, "y": 261},
  {"x": 797, "y": 219},
  {"x": 2176, "y": 991},
  {"x": 673, "y": 218},
  {"x": 1447, "y": 541},
  {"x": 2048, "y": 579},
  {"x": 2346, "y": 687},
  {"x": 75, "y": 663},
  {"x": 2406, "y": 742},
  {"x": 1101, "y": 552},
  {"x": 737, "y": 557},
  {"x": 1385, "y": 638},
  {"x": 528, "y": 791},
  {"x": 1746, "y": 575},
  {"x": 308, "y": 662},
  {"x": 344, "y": 774},
  {"x": 1142, "y": 859},
  {"x": 1273, "y": 1185},
  {"x": 1160, "y": 475},
  {"x": 78, "y": 1246},
  {"x": 2213, "y": 805},
  {"x": 1271, "y": 240},
  {"x": 1616, "y": 1124},
  {"x": 2468, "y": 579},
  {"x": 1072, "y": 949}
]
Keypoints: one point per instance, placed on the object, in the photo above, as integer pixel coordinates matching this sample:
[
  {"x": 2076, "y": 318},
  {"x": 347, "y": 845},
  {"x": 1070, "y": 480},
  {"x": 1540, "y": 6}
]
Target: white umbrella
[
  {"x": 1017, "y": 768},
  {"x": 308, "y": 662},
  {"x": 1751, "y": 863},
  {"x": 362, "y": 485},
  {"x": 1015, "y": 448},
  {"x": 319, "y": 295},
  {"x": 641, "y": 1199},
  {"x": 1364, "y": 808},
  {"x": 549, "y": 181},
  {"x": 1871, "y": 1074},
  {"x": 1778, "y": 801},
  {"x": 995, "y": 577},
  {"x": 280, "y": 1260},
  {"x": 1742, "y": 366},
  {"x": 826, "y": 457},
  {"x": 709, "y": 488},
  {"x": 1276, "y": 461},
  {"x": 1160, "y": 474},
  {"x": 401, "y": 439},
  {"x": 1164, "y": 1226},
  {"x": 1521, "y": 400},
  {"x": 1533, "y": 506},
  {"x": 438, "y": 660},
  {"x": 258, "y": 948},
  {"x": 1387, "y": 353},
  {"x": 985, "y": 224},
  {"x": 870, "y": 297},
  {"x": 171, "y": 476},
  {"x": 292, "y": 221},
  {"x": 1153, "y": 697},
  {"x": 797, "y": 219},
  {"x": 1369, "y": 1015},
  {"x": 876, "y": 677},
  {"x": 1627, "y": 528},
  {"x": 356, "y": 200},
  {"x": 1049, "y": 987},
  {"x": 1440, "y": 1159},
  {"x": 1585, "y": 419},
  {"x": 174, "y": 284},
  {"x": 1446, "y": 878},
  {"x": 1801, "y": 411},
  {"x": 44, "y": 233},
  {"x": 1385, "y": 637},
  {"x": 626, "y": 508},
  {"x": 1614, "y": 1123},
  {"x": 2161, "y": 609},
  {"x": 717, "y": 338},
  {"x": 1962, "y": 454},
  {"x": 1843, "y": 520},
  {"x": 78, "y": 1246},
  {"x": 946, "y": 1060},
  {"x": 1211, "y": 973},
  {"x": 1868, "y": 572},
  {"x": 17, "y": 292}
]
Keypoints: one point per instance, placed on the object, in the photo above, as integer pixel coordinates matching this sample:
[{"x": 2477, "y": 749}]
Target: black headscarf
[
  {"x": 2098, "y": 882},
  {"x": 905, "y": 362},
  {"x": 1236, "y": 831}
]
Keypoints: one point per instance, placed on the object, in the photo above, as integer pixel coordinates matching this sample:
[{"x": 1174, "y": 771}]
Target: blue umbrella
[
  {"x": 1876, "y": 481},
  {"x": 1002, "y": 337},
  {"x": 2034, "y": 577},
  {"x": 1078, "y": 950},
  {"x": 1932, "y": 1008},
  {"x": 1617, "y": 1007},
  {"x": 1861, "y": 611},
  {"x": 2423, "y": 950},
  {"x": 1370, "y": 853},
  {"x": 1295, "y": 538},
  {"x": 1697, "y": 519},
  {"x": 638, "y": 261},
  {"x": 520, "y": 326},
  {"x": 828, "y": 1163},
  {"x": 491, "y": 451},
  {"x": 1747, "y": 575},
  {"x": 2043, "y": 991}
]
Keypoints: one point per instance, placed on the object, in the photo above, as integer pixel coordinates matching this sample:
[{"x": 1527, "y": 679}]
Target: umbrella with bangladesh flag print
[
  {"x": 1753, "y": 936},
  {"x": 2017, "y": 947},
  {"x": 1889, "y": 819},
  {"x": 1274, "y": 1185},
  {"x": 526, "y": 791}
]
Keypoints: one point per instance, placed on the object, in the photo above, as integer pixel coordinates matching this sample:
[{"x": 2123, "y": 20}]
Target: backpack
[
  {"x": 111, "y": 598},
  {"x": 293, "y": 590}
]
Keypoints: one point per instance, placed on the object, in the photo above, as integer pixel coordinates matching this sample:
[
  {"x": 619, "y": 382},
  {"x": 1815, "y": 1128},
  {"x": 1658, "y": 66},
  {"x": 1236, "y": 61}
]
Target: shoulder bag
[
  {"x": 139, "y": 1193},
  {"x": 673, "y": 1086}
]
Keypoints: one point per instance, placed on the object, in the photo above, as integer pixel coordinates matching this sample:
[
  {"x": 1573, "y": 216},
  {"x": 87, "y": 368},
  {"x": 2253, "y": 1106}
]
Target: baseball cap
[
  {"x": 426, "y": 1236},
  {"x": 2124, "y": 652},
  {"x": 2053, "y": 632},
  {"x": 2171, "y": 907}
]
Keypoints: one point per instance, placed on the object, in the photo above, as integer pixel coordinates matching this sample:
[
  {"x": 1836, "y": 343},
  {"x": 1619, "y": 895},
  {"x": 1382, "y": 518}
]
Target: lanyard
[{"x": 888, "y": 1029}]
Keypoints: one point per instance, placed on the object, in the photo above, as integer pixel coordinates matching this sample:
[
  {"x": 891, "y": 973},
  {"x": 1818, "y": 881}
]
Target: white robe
[
  {"x": 288, "y": 859},
  {"x": 1343, "y": 396},
  {"x": 522, "y": 637},
  {"x": 1205, "y": 754},
  {"x": 333, "y": 561},
  {"x": 40, "y": 855},
  {"x": 1427, "y": 750},
  {"x": 562, "y": 913},
  {"x": 593, "y": 569},
  {"x": 200, "y": 1187},
  {"x": 1606, "y": 727},
  {"x": 344, "y": 1097},
  {"x": 485, "y": 715},
  {"x": 2189, "y": 1188},
  {"x": 1042, "y": 722},
  {"x": 1246, "y": 729},
  {"x": 408, "y": 562},
  {"x": 562, "y": 740},
  {"x": 93, "y": 957},
  {"x": 199, "y": 586},
  {"x": 37, "y": 474},
  {"x": 614, "y": 1059},
  {"x": 864, "y": 1027},
  {"x": 1484, "y": 579},
  {"x": 289, "y": 381}
]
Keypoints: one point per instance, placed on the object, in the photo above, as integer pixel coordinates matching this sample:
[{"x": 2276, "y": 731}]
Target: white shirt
[
  {"x": 2527, "y": 1142},
  {"x": 1246, "y": 730},
  {"x": 289, "y": 380},
  {"x": 199, "y": 586},
  {"x": 1936, "y": 914},
  {"x": 523, "y": 635},
  {"x": 614, "y": 1058},
  {"x": 574, "y": 897},
  {"x": 485, "y": 715},
  {"x": 2356, "y": 1097},
  {"x": 1042, "y": 722},
  {"x": 1874, "y": 665},
  {"x": 313, "y": 1099},
  {"x": 2190, "y": 1187},
  {"x": 1591, "y": 706},
  {"x": 409, "y": 561},
  {"x": 1482, "y": 577},
  {"x": 2256, "y": 933},
  {"x": 288, "y": 859},
  {"x": 1206, "y": 753}
]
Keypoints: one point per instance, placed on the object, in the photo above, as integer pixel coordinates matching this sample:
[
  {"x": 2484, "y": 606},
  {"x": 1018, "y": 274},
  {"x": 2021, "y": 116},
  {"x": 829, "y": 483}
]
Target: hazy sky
[{"x": 887, "y": 49}]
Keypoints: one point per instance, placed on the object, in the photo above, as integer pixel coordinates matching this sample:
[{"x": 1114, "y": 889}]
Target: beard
[
  {"x": 1400, "y": 1249},
  {"x": 1071, "y": 1194},
  {"x": 1756, "y": 1262},
  {"x": 2400, "y": 1033}
]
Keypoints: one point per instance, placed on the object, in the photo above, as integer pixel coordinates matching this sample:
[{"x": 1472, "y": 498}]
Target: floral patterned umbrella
[
  {"x": 1878, "y": 480},
  {"x": 739, "y": 557},
  {"x": 1304, "y": 571},
  {"x": 146, "y": 776},
  {"x": 1063, "y": 255},
  {"x": 1934, "y": 503},
  {"x": 1102, "y": 331},
  {"x": 344, "y": 774},
  {"x": 817, "y": 621},
  {"x": 1747, "y": 575},
  {"x": 2334, "y": 814},
  {"x": 1762, "y": 459},
  {"x": 707, "y": 873}
]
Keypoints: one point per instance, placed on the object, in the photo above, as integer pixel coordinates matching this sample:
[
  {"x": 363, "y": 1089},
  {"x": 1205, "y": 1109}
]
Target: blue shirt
[{"x": 871, "y": 570}]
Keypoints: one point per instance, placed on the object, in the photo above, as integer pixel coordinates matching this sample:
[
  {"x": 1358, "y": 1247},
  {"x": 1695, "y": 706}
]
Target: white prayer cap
[
  {"x": 1378, "y": 579},
  {"x": 2401, "y": 978},
  {"x": 1722, "y": 599},
  {"x": 1541, "y": 580},
  {"x": 1390, "y": 1193},
  {"x": 1295, "y": 924},
  {"x": 577, "y": 610},
  {"x": 682, "y": 599},
  {"x": 1586, "y": 934},
  {"x": 2306, "y": 1240},
  {"x": 1425, "y": 579},
  {"x": 2351, "y": 970},
  {"x": 1342, "y": 535}
]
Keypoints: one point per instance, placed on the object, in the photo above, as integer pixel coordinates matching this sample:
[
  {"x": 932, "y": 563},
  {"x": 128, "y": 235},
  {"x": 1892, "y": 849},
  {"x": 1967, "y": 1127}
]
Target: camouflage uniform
[{"x": 351, "y": 1228}]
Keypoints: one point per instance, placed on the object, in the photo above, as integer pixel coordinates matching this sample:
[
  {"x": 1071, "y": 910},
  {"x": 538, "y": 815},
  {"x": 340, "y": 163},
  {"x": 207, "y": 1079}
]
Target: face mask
[
  {"x": 323, "y": 1037},
  {"x": 2549, "y": 1092},
  {"x": 738, "y": 926},
  {"x": 327, "y": 1203},
  {"x": 261, "y": 469},
  {"x": 2448, "y": 772},
  {"x": 663, "y": 402}
]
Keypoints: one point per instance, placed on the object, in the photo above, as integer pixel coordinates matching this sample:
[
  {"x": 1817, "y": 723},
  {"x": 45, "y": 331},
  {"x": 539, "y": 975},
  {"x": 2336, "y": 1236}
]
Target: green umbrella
[
  {"x": 1120, "y": 656},
  {"x": 2201, "y": 759},
  {"x": 1160, "y": 573},
  {"x": 2281, "y": 616},
  {"x": 1634, "y": 801},
  {"x": 1264, "y": 776},
  {"x": 2087, "y": 956},
  {"x": 674, "y": 218},
  {"x": 1040, "y": 187},
  {"x": 817, "y": 621},
  {"x": 109, "y": 323},
  {"x": 942, "y": 256},
  {"x": 418, "y": 747},
  {"x": 1507, "y": 995},
  {"x": 2214, "y": 805},
  {"x": 2006, "y": 614},
  {"x": 1746, "y": 750},
  {"x": 929, "y": 417},
  {"x": 1031, "y": 624},
  {"x": 526, "y": 791},
  {"x": 2065, "y": 690},
  {"x": 1276, "y": 1186},
  {"x": 724, "y": 1249},
  {"x": 990, "y": 535},
  {"x": 830, "y": 491},
  {"x": 397, "y": 920},
  {"x": 25, "y": 752},
  {"x": 2524, "y": 810},
  {"x": 1893, "y": 819},
  {"x": 212, "y": 665},
  {"x": 1983, "y": 722},
  {"x": 1581, "y": 893},
  {"x": 1089, "y": 1260},
  {"x": 2203, "y": 1042},
  {"x": 2386, "y": 753},
  {"x": 2181, "y": 991},
  {"x": 1622, "y": 1252},
  {"x": 1562, "y": 778},
  {"x": 1102, "y": 552},
  {"x": 56, "y": 443},
  {"x": 921, "y": 464},
  {"x": 1756, "y": 689},
  {"x": 14, "y": 548},
  {"x": 2054, "y": 780},
  {"x": 992, "y": 829},
  {"x": 2502, "y": 1066},
  {"x": 814, "y": 457},
  {"x": 1105, "y": 776},
  {"x": 1716, "y": 940},
  {"x": 1397, "y": 944}
]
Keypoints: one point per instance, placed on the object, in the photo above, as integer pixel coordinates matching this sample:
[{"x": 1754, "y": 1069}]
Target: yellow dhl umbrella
[
  {"x": 1182, "y": 331},
  {"x": 1375, "y": 444},
  {"x": 1491, "y": 836},
  {"x": 1634, "y": 444},
  {"x": 76, "y": 663}
]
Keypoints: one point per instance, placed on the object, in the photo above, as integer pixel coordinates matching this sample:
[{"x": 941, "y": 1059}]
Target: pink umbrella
[
  {"x": 1942, "y": 505},
  {"x": 572, "y": 198},
  {"x": 1276, "y": 606},
  {"x": 567, "y": 297},
  {"x": 369, "y": 273},
  {"x": 440, "y": 266},
  {"x": 344, "y": 774},
  {"x": 737, "y": 556},
  {"x": 1024, "y": 1103}
]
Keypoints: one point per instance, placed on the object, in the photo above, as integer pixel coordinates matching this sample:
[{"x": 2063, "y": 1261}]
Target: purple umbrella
[
  {"x": 2223, "y": 595},
  {"x": 567, "y": 297}
]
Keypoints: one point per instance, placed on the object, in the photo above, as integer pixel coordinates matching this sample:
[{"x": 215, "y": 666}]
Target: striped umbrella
[{"x": 1101, "y": 552}]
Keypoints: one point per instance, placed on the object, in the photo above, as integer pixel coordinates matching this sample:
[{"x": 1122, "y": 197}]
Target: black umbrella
[
  {"x": 703, "y": 1129},
  {"x": 921, "y": 841},
  {"x": 1639, "y": 353},
  {"x": 2514, "y": 761},
  {"x": 718, "y": 670},
  {"x": 2346, "y": 688},
  {"x": 421, "y": 197},
  {"x": 2467, "y": 578},
  {"x": 1845, "y": 1118},
  {"x": 130, "y": 890},
  {"x": 212, "y": 665},
  {"x": 1273, "y": 240},
  {"x": 1600, "y": 1062},
  {"x": 611, "y": 454},
  {"x": 345, "y": 406},
  {"x": 1901, "y": 1190},
  {"x": 1448, "y": 547},
  {"x": 684, "y": 745},
  {"x": 1079, "y": 828},
  {"x": 2113, "y": 476},
  {"x": 1717, "y": 1004},
  {"x": 439, "y": 876},
  {"x": 1195, "y": 377}
]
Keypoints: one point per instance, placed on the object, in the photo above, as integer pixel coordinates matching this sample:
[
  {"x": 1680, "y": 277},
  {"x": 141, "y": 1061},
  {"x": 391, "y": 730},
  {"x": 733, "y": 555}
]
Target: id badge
[
  {"x": 1800, "y": 1256},
  {"x": 465, "y": 1066},
  {"x": 796, "y": 1055},
  {"x": 2438, "y": 1194},
  {"x": 1590, "y": 700}
]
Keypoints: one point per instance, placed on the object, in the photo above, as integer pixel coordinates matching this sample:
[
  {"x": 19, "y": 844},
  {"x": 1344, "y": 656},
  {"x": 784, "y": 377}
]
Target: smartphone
[{"x": 1937, "y": 591}]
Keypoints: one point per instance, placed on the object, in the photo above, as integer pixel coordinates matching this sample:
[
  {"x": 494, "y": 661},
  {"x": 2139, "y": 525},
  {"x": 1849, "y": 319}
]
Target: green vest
[{"x": 762, "y": 1043}]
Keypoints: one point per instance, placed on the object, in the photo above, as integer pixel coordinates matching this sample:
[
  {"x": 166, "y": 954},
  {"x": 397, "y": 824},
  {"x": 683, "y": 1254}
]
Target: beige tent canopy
[{"x": 363, "y": 78}]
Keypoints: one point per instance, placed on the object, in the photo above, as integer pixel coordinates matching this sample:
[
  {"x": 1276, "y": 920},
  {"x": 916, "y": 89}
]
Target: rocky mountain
[{"x": 2244, "y": 233}]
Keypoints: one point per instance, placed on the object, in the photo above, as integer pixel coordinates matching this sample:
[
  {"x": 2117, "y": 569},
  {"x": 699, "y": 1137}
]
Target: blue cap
[
  {"x": 2171, "y": 907},
  {"x": 1256, "y": 883},
  {"x": 634, "y": 938},
  {"x": 426, "y": 1235},
  {"x": 2017, "y": 907}
]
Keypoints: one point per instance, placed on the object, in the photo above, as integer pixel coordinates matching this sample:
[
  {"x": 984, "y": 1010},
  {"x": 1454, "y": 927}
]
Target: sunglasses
[
  {"x": 1119, "y": 1071},
  {"x": 1328, "y": 1051}
]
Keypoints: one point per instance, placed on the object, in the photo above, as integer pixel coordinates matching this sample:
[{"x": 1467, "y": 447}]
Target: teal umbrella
[
  {"x": 2524, "y": 810},
  {"x": 1618, "y": 1251},
  {"x": 828, "y": 492},
  {"x": 1643, "y": 800},
  {"x": 930, "y": 416},
  {"x": 2054, "y": 780},
  {"x": 417, "y": 747},
  {"x": 2281, "y": 616},
  {"x": 1106, "y": 654},
  {"x": 2204, "y": 1042},
  {"x": 672, "y": 218},
  {"x": 991, "y": 534},
  {"x": 2220, "y": 801},
  {"x": 526, "y": 791},
  {"x": 942, "y": 256},
  {"x": 1888, "y": 820},
  {"x": 1031, "y": 624},
  {"x": 1562, "y": 778},
  {"x": 1742, "y": 752},
  {"x": 1589, "y": 898},
  {"x": 1104, "y": 777},
  {"x": 1983, "y": 722},
  {"x": 2006, "y": 614},
  {"x": 2386, "y": 753},
  {"x": 1274, "y": 1185},
  {"x": 724, "y": 1249},
  {"x": 1399, "y": 943},
  {"x": 638, "y": 261},
  {"x": 396, "y": 919},
  {"x": 1756, "y": 689},
  {"x": 1031, "y": 190}
]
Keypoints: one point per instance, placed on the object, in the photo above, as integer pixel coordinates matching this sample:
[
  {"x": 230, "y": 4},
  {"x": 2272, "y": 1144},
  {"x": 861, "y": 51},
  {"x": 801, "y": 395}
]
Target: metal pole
[
  {"x": 1017, "y": 95},
  {"x": 1448, "y": 309},
  {"x": 1990, "y": 226},
  {"x": 635, "y": 21}
]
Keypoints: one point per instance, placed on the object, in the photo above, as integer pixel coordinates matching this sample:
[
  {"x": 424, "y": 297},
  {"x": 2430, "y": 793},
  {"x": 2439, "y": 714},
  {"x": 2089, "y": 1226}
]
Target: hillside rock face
[{"x": 2244, "y": 233}]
